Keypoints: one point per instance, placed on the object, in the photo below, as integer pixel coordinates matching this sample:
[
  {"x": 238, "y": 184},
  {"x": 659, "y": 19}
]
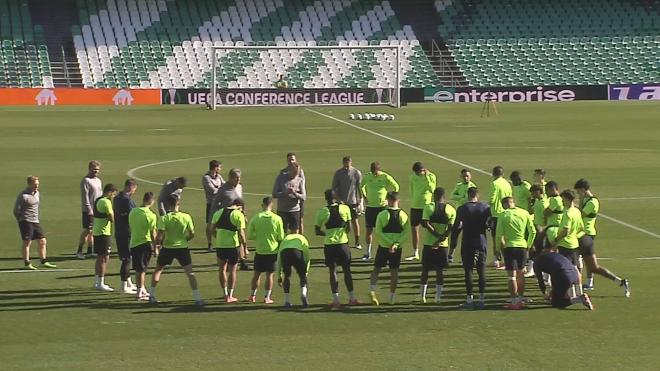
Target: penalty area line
[{"x": 456, "y": 162}]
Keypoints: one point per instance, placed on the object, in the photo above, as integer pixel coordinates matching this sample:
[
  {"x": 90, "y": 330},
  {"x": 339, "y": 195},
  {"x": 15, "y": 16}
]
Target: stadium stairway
[
  {"x": 424, "y": 19},
  {"x": 149, "y": 43},
  {"x": 561, "y": 42},
  {"x": 56, "y": 22}
]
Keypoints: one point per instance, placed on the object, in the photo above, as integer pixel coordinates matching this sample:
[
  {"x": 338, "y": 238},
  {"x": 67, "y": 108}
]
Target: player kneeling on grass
[
  {"x": 267, "y": 229},
  {"x": 142, "y": 223},
  {"x": 437, "y": 220},
  {"x": 230, "y": 246},
  {"x": 26, "y": 211},
  {"x": 175, "y": 230},
  {"x": 392, "y": 227},
  {"x": 335, "y": 217},
  {"x": 563, "y": 277},
  {"x": 102, "y": 234},
  {"x": 294, "y": 253},
  {"x": 513, "y": 225}
]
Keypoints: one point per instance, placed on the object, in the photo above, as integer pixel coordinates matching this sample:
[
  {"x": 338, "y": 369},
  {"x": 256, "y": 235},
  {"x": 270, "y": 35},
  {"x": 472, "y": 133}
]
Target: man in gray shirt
[
  {"x": 289, "y": 190},
  {"x": 171, "y": 187},
  {"x": 292, "y": 159},
  {"x": 26, "y": 212},
  {"x": 346, "y": 186},
  {"x": 211, "y": 182},
  {"x": 91, "y": 188}
]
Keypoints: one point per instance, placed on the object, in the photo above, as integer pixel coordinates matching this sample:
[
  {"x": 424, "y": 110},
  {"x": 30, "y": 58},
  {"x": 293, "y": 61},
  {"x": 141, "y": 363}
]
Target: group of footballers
[{"x": 537, "y": 230}]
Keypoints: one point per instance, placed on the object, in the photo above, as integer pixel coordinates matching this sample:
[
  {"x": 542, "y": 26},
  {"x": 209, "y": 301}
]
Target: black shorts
[
  {"x": 472, "y": 256},
  {"x": 102, "y": 245},
  {"x": 416, "y": 217},
  {"x": 141, "y": 255},
  {"x": 514, "y": 258},
  {"x": 561, "y": 283},
  {"x": 370, "y": 215},
  {"x": 123, "y": 248},
  {"x": 87, "y": 221},
  {"x": 434, "y": 259},
  {"x": 30, "y": 231},
  {"x": 293, "y": 258},
  {"x": 384, "y": 257},
  {"x": 571, "y": 254},
  {"x": 493, "y": 226},
  {"x": 354, "y": 211},
  {"x": 337, "y": 255},
  {"x": 230, "y": 255},
  {"x": 167, "y": 256},
  {"x": 208, "y": 215},
  {"x": 587, "y": 245},
  {"x": 290, "y": 219},
  {"x": 265, "y": 263}
]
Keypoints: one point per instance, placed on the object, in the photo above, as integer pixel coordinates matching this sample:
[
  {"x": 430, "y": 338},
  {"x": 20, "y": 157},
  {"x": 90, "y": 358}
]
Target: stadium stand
[
  {"x": 149, "y": 43},
  {"x": 24, "y": 61},
  {"x": 519, "y": 42}
]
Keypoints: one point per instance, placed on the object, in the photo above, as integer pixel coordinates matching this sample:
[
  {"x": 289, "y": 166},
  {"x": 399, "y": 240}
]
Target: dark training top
[
  {"x": 472, "y": 219},
  {"x": 554, "y": 264},
  {"x": 122, "y": 205}
]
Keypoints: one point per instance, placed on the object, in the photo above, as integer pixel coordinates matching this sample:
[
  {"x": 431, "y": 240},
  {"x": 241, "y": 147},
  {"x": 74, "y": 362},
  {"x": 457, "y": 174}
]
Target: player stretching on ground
[
  {"x": 102, "y": 232},
  {"x": 472, "y": 218},
  {"x": 142, "y": 222},
  {"x": 335, "y": 219},
  {"x": 26, "y": 212},
  {"x": 437, "y": 221},
  {"x": 422, "y": 183},
  {"x": 346, "y": 185},
  {"x": 293, "y": 253},
  {"x": 175, "y": 230},
  {"x": 211, "y": 182},
  {"x": 375, "y": 186},
  {"x": 460, "y": 196},
  {"x": 499, "y": 189},
  {"x": 391, "y": 229},
  {"x": 122, "y": 205},
  {"x": 515, "y": 234},
  {"x": 230, "y": 245},
  {"x": 267, "y": 230},
  {"x": 562, "y": 277},
  {"x": 589, "y": 207},
  {"x": 91, "y": 188}
]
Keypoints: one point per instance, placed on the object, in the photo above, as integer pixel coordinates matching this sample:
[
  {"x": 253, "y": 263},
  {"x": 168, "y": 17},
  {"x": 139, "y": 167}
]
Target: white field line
[
  {"x": 456, "y": 162},
  {"x": 629, "y": 198},
  {"x": 649, "y": 258},
  {"x": 46, "y": 270},
  {"x": 132, "y": 172}
]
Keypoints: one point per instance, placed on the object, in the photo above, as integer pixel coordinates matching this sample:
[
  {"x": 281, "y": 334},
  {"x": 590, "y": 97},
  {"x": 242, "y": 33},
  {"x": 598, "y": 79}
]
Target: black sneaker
[
  {"x": 450, "y": 259},
  {"x": 243, "y": 266}
]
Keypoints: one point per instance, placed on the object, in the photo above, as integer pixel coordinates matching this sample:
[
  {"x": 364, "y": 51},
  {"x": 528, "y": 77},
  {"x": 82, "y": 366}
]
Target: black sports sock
[
  {"x": 27, "y": 262},
  {"x": 43, "y": 261}
]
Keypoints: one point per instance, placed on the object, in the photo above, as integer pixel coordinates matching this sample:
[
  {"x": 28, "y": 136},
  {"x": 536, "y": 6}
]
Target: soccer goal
[{"x": 314, "y": 75}]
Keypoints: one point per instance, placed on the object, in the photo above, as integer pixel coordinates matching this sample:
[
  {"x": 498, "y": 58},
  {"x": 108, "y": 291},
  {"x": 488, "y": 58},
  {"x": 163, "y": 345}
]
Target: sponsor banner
[
  {"x": 561, "y": 93},
  {"x": 439, "y": 95},
  {"x": 634, "y": 92},
  {"x": 79, "y": 96},
  {"x": 276, "y": 97}
]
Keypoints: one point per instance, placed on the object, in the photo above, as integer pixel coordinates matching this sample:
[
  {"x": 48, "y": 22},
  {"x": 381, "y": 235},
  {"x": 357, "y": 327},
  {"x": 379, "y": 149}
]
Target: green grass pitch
[{"x": 55, "y": 321}]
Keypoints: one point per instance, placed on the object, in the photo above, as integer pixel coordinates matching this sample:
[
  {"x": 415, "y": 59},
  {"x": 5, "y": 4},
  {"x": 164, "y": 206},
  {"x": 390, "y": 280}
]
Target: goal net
[{"x": 305, "y": 75}]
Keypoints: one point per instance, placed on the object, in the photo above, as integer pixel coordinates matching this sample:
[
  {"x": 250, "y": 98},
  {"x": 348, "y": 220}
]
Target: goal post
[{"x": 260, "y": 90}]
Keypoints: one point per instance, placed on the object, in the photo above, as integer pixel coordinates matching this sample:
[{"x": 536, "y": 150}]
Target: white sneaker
[
  {"x": 530, "y": 274},
  {"x": 142, "y": 295},
  {"x": 127, "y": 289},
  {"x": 104, "y": 287},
  {"x": 81, "y": 256},
  {"x": 358, "y": 246}
]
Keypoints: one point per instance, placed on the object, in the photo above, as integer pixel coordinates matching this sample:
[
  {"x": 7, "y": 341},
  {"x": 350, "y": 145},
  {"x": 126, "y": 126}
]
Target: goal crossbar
[{"x": 396, "y": 48}]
